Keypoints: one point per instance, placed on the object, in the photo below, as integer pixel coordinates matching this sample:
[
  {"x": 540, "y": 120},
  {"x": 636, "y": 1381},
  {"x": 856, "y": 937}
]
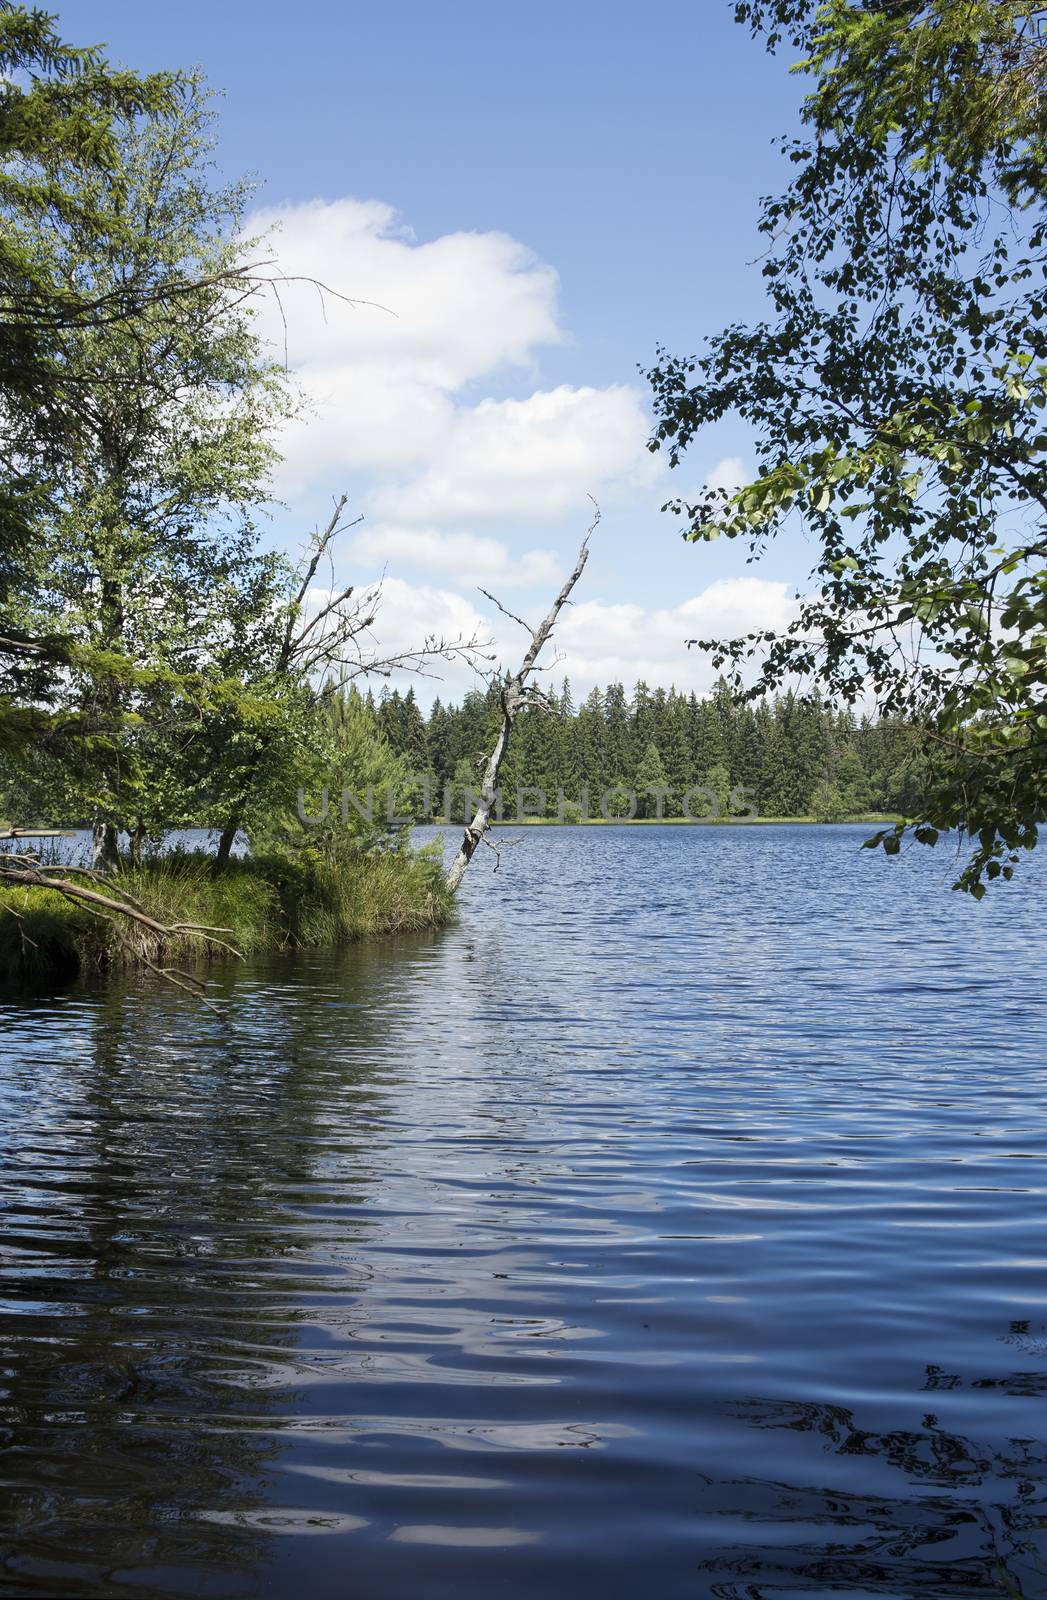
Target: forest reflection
[
  {"x": 157, "y": 1263},
  {"x": 939, "y": 1514}
]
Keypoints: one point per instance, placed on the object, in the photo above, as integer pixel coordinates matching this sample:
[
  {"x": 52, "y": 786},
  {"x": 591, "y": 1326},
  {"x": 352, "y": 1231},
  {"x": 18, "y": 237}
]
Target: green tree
[
  {"x": 352, "y": 782},
  {"x": 616, "y": 717},
  {"x": 647, "y": 780},
  {"x": 717, "y": 784},
  {"x": 300, "y": 645},
  {"x": 439, "y": 739},
  {"x": 853, "y": 781},
  {"x": 463, "y": 792},
  {"x": 896, "y": 395},
  {"x": 591, "y": 752},
  {"x": 641, "y": 719},
  {"x": 749, "y": 750},
  {"x": 676, "y": 752},
  {"x": 782, "y": 750},
  {"x": 707, "y": 742},
  {"x": 414, "y": 743},
  {"x": 65, "y": 115},
  {"x": 149, "y": 515},
  {"x": 827, "y": 804}
]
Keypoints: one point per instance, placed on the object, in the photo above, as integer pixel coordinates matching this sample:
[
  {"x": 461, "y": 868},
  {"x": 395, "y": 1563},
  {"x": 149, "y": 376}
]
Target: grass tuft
[{"x": 269, "y": 902}]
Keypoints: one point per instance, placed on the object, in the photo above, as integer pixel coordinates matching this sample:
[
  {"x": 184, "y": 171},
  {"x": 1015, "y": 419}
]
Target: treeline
[{"x": 789, "y": 756}]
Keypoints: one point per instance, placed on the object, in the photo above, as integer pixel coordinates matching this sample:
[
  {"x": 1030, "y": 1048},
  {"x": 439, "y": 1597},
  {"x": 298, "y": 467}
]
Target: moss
[{"x": 262, "y": 903}]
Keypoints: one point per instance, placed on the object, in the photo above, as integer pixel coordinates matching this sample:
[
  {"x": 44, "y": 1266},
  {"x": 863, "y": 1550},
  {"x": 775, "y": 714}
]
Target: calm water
[{"x": 674, "y": 1225}]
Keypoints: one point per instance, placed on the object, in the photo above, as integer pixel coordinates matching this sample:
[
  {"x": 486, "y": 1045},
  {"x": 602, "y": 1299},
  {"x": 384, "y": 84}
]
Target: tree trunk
[
  {"x": 225, "y": 844},
  {"x": 104, "y": 854},
  {"x": 511, "y": 702},
  {"x": 138, "y": 838},
  {"x": 514, "y": 695}
]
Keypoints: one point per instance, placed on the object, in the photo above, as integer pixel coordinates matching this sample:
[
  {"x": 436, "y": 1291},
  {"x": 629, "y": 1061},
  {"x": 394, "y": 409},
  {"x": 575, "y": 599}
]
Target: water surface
[{"x": 673, "y": 1224}]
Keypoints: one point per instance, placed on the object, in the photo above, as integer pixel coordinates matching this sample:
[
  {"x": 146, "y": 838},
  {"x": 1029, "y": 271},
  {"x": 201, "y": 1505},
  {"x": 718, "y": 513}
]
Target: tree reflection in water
[
  {"x": 155, "y": 1275},
  {"x": 953, "y": 1517}
]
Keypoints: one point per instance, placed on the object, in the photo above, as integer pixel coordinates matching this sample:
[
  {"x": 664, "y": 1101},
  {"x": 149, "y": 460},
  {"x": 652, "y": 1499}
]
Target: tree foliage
[
  {"x": 63, "y": 111},
  {"x": 158, "y": 666},
  {"x": 143, "y": 540},
  {"x": 896, "y": 394},
  {"x": 111, "y": 269}
]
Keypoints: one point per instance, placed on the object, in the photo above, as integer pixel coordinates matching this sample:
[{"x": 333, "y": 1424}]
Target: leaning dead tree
[{"x": 516, "y": 692}]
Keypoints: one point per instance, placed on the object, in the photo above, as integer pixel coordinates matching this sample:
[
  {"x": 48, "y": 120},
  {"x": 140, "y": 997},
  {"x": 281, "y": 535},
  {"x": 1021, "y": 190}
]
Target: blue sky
[{"x": 554, "y": 190}]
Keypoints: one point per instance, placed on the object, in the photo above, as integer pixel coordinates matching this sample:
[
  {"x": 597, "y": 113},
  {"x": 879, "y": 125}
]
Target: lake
[{"x": 675, "y": 1223}]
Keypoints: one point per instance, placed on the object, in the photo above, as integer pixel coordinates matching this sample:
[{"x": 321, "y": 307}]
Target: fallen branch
[
  {"x": 514, "y": 695},
  {"x": 76, "y": 884}
]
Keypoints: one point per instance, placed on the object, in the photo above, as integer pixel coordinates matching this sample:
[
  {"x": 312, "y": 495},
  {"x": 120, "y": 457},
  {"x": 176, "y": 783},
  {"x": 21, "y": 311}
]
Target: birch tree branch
[
  {"x": 526, "y": 626},
  {"x": 514, "y": 695}
]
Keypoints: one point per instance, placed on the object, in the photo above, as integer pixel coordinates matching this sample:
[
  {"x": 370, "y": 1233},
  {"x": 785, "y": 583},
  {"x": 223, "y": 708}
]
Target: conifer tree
[{"x": 648, "y": 779}]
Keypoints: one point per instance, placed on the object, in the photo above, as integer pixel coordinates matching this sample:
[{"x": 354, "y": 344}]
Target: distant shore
[{"x": 871, "y": 817}]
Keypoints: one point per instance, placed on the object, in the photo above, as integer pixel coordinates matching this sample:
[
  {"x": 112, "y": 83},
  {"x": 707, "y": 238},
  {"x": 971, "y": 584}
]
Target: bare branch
[
  {"x": 514, "y": 695},
  {"x": 322, "y": 542},
  {"x": 526, "y": 626},
  {"x": 126, "y": 301},
  {"x": 503, "y": 844}
]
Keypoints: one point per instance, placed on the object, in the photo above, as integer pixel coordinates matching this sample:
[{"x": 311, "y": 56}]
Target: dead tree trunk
[{"x": 514, "y": 696}]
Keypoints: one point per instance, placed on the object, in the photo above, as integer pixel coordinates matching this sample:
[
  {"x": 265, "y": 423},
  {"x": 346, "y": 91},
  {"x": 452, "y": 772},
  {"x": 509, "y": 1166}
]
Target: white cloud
[
  {"x": 410, "y": 611},
  {"x": 729, "y": 474},
  {"x": 530, "y": 460},
  {"x": 379, "y": 375},
  {"x": 392, "y": 393},
  {"x": 733, "y": 606},
  {"x": 622, "y": 643},
  {"x": 468, "y": 556},
  {"x": 455, "y": 309},
  {"x": 598, "y": 643}
]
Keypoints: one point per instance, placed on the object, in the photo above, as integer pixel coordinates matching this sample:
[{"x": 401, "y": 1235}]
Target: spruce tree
[{"x": 649, "y": 775}]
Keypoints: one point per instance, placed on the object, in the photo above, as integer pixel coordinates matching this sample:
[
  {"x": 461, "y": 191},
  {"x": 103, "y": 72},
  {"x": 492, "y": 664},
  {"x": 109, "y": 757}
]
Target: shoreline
[
  {"x": 871, "y": 819},
  {"x": 255, "y": 905},
  {"x": 265, "y": 904}
]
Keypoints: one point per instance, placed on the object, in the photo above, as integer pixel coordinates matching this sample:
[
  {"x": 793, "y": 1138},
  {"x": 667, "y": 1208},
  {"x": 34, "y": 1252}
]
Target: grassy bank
[{"x": 264, "y": 903}]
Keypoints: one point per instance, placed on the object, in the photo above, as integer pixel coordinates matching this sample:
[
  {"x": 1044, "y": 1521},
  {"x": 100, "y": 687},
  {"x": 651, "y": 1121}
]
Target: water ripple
[{"x": 673, "y": 1222}]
